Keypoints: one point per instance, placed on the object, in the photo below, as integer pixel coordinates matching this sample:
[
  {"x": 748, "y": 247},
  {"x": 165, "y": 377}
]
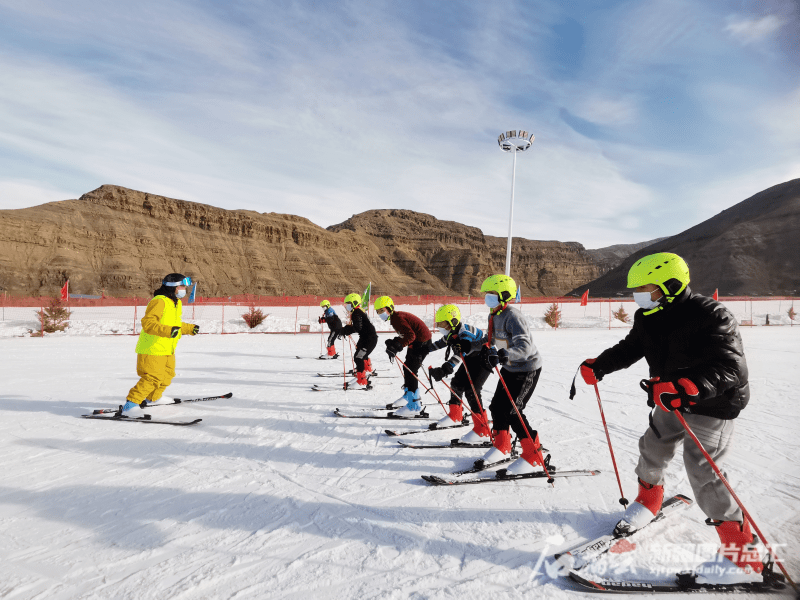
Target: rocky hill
[
  {"x": 749, "y": 249},
  {"x": 461, "y": 257},
  {"x": 612, "y": 256},
  {"x": 123, "y": 241}
]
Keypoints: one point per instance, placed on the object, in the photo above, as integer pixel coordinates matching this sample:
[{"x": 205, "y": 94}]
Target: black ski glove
[
  {"x": 174, "y": 332},
  {"x": 439, "y": 373},
  {"x": 195, "y": 329},
  {"x": 393, "y": 346},
  {"x": 493, "y": 357}
]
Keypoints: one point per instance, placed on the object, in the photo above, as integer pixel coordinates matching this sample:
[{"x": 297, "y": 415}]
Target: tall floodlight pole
[{"x": 513, "y": 141}]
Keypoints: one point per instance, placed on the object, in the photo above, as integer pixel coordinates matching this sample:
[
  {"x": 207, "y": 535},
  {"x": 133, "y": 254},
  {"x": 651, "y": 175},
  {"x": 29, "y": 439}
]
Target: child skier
[
  {"x": 697, "y": 366},
  {"x": 414, "y": 335},
  {"x": 461, "y": 338},
  {"x": 161, "y": 329},
  {"x": 367, "y": 337},
  {"x": 513, "y": 347},
  {"x": 330, "y": 317}
]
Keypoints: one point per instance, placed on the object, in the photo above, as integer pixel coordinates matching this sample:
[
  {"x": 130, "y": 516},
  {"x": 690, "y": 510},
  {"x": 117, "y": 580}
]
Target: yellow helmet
[
  {"x": 505, "y": 287},
  {"x": 384, "y": 302},
  {"x": 353, "y": 299},
  {"x": 325, "y": 304},
  {"x": 664, "y": 269},
  {"x": 449, "y": 314}
]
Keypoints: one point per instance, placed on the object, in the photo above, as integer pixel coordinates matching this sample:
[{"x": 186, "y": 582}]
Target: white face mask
[
  {"x": 444, "y": 332},
  {"x": 180, "y": 293},
  {"x": 644, "y": 300},
  {"x": 384, "y": 316},
  {"x": 348, "y": 307},
  {"x": 491, "y": 300}
]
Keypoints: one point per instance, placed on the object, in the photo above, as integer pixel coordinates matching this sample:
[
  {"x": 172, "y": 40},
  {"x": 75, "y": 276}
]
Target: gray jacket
[{"x": 510, "y": 331}]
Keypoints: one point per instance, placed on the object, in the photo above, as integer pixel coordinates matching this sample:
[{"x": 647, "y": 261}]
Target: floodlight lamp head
[{"x": 517, "y": 141}]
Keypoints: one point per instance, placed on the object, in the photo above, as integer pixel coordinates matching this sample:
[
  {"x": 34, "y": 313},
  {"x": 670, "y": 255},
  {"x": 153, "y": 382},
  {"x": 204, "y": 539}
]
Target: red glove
[
  {"x": 321, "y": 320},
  {"x": 590, "y": 376},
  {"x": 669, "y": 396}
]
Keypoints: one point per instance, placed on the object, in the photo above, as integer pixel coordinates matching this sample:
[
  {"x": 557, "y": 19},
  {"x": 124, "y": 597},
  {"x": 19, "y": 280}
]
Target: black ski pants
[
  {"x": 332, "y": 337},
  {"x": 520, "y": 386},
  {"x": 415, "y": 354},
  {"x": 460, "y": 383},
  {"x": 363, "y": 349}
]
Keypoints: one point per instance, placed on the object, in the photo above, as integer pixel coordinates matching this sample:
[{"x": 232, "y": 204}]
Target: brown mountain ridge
[{"x": 123, "y": 241}]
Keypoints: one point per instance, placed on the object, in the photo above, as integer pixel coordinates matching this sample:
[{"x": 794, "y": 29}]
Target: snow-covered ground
[{"x": 272, "y": 496}]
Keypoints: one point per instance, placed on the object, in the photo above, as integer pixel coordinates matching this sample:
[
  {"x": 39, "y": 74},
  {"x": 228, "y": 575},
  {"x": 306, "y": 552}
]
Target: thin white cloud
[{"x": 747, "y": 31}]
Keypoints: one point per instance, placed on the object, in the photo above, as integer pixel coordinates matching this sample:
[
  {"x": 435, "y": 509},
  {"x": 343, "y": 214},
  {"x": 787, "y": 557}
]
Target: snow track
[{"x": 272, "y": 496}]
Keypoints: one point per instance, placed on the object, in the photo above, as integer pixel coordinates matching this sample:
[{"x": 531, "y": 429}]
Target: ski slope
[{"x": 271, "y": 496}]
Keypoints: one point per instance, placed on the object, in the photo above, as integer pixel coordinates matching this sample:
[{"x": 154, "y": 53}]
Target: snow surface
[{"x": 272, "y": 496}]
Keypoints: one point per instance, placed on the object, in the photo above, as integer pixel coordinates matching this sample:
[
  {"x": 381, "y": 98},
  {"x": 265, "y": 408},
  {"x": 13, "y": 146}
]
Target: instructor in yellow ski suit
[{"x": 162, "y": 327}]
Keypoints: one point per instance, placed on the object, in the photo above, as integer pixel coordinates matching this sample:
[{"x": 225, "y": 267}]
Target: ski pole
[
  {"x": 435, "y": 393},
  {"x": 452, "y": 391},
  {"x": 622, "y": 500},
  {"x": 477, "y": 397},
  {"x": 550, "y": 479},
  {"x": 735, "y": 497},
  {"x": 344, "y": 366},
  {"x": 397, "y": 358},
  {"x": 352, "y": 358}
]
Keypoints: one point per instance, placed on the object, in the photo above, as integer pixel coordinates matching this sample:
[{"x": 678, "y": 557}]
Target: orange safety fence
[{"x": 22, "y": 316}]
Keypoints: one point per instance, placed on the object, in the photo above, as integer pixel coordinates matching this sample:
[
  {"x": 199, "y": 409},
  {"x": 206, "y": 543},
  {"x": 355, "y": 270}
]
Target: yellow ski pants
[{"x": 156, "y": 374}]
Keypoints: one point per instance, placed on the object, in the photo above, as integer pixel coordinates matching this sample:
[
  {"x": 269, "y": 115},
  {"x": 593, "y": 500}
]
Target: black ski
[
  {"x": 322, "y": 357},
  {"x": 444, "y": 445},
  {"x": 577, "y": 557},
  {"x": 392, "y": 433},
  {"x": 494, "y": 476},
  {"x": 380, "y": 415},
  {"x": 350, "y": 372},
  {"x": 685, "y": 583},
  {"x": 146, "y": 420},
  {"x": 105, "y": 411}
]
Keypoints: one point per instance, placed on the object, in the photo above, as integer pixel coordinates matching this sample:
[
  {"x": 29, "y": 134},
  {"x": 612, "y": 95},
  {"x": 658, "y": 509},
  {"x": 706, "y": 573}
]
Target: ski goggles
[{"x": 187, "y": 281}]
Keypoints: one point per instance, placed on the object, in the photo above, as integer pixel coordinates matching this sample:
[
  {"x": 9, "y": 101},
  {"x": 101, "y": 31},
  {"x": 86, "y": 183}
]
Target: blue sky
[{"x": 649, "y": 116}]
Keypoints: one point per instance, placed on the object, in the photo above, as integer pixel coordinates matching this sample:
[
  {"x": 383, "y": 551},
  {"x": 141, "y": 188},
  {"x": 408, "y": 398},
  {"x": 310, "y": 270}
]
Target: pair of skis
[
  {"x": 100, "y": 413},
  {"x": 578, "y": 557}
]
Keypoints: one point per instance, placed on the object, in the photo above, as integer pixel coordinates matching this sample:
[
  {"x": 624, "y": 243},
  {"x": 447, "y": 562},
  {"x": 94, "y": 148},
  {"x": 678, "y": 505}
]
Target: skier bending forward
[
  {"x": 461, "y": 338},
  {"x": 697, "y": 366},
  {"x": 367, "y": 337},
  {"x": 334, "y": 324}
]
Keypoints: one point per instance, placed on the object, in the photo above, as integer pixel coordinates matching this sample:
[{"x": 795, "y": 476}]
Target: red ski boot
[
  {"x": 480, "y": 430},
  {"x": 453, "y": 419},
  {"x": 501, "y": 447},
  {"x": 531, "y": 456},
  {"x": 738, "y": 560},
  {"x": 643, "y": 510}
]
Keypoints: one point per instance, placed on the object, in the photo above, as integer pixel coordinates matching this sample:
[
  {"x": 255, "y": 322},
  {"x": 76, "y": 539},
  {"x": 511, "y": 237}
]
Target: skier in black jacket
[
  {"x": 367, "y": 337},
  {"x": 697, "y": 366}
]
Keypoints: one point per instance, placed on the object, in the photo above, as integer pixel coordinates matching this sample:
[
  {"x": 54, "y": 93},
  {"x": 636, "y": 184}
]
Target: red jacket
[{"x": 410, "y": 328}]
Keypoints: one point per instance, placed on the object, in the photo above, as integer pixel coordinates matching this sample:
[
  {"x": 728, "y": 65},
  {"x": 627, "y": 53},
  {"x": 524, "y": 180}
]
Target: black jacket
[
  {"x": 360, "y": 324},
  {"x": 694, "y": 337},
  {"x": 333, "y": 321}
]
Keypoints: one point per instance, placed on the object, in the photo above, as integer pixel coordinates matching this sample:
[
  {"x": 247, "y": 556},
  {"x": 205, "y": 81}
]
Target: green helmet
[
  {"x": 505, "y": 287},
  {"x": 449, "y": 314},
  {"x": 325, "y": 304},
  {"x": 353, "y": 299},
  {"x": 384, "y": 302},
  {"x": 666, "y": 270}
]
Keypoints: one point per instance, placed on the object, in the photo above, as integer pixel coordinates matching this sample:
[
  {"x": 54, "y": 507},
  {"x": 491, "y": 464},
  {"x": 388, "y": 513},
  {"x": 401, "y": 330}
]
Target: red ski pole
[
  {"x": 622, "y": 500},
  {"x": 435, "y": 393},
  {"x": 735, "y": 497},
  {"x": 550, "y": 479},
  {"x": 344, "y": 367}
]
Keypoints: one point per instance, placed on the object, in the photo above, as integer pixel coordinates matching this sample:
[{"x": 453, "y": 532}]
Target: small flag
[
  {"x": 194, "y": 291},
  {"x": 519, "y": 294},
  {"x": 585, "y": 298},
  {"x": 65, "y": 291},
  {"x": 716, "y": 294},
  {"x": 365, "y": 297}
]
